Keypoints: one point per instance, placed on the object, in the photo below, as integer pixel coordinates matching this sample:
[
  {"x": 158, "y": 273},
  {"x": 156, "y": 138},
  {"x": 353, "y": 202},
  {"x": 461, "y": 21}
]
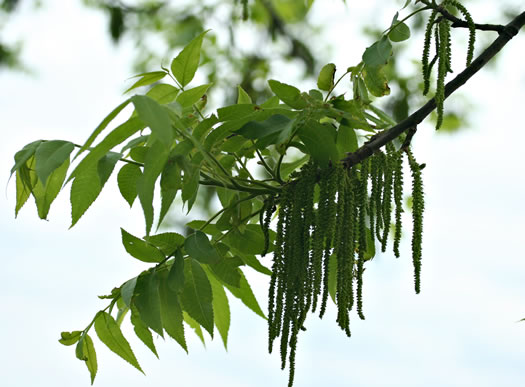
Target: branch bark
[{"x": 418, "y": 116}]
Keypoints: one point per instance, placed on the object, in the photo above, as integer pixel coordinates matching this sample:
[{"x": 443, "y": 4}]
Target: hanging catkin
[{"x": 338, "y": 225}]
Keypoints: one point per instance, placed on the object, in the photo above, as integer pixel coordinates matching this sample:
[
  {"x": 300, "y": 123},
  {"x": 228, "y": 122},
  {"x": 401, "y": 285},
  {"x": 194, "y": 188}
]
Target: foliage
[{"x": 307, "y": 157}]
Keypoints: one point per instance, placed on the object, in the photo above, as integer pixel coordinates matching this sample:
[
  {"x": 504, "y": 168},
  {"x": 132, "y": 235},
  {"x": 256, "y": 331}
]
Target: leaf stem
[
  {"x": 252, "y": 196},
  {"x": 406, "y": 18}
]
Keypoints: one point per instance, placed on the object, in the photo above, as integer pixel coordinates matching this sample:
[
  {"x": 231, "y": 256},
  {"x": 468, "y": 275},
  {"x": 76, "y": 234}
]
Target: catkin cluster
[
  {"x": 439, "y": 26},
  {"x": 329, "y": 219}
]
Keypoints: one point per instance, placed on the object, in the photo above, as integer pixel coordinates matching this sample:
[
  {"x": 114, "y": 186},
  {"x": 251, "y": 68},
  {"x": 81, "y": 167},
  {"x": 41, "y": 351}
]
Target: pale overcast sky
[{"x": 460, "y": 331}]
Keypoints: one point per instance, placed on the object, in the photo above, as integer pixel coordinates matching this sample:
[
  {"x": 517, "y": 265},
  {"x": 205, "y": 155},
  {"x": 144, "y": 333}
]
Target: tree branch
[
  {"x": 457, "y": 22},
  {"x": 417, "y": 117}
]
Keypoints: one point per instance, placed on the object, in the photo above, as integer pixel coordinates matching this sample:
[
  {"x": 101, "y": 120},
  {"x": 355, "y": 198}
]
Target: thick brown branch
[{"x": 415, "y": 118}]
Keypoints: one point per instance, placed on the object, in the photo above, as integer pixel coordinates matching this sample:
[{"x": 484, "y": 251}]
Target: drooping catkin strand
[
  {"x": 362, "y": 189},
  {"x": 265, "y": 220},
  {"x": 373, "y": 166},
  {"x": 308, "y": 181},
  {"x": 291, "y": 286},
  {"x": 277, "y": 288},
  {"x": 471, "y": 27},
  {"x": 444, "y": 65},
  {"x": 341, "y": 249},
  {"x": 334, "y": 174},
  {"x": 319, "y": 235},
  {"x": 426, "y": 67},
  {"x": 398, "y": 200},
  {"x": 379, "y": 194},
  {"x": 418, "y": 206},
  {"x": 387, "y": 194},
  {"x": 294, "y": 266},
  {"x": 314, "y": 242}
]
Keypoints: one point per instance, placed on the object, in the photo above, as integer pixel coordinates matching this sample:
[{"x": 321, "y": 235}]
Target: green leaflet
[
  {"x": 221, "y": 310},
  {"x": 190, "y": 186},
  {"x": 325, "y": 81},
  {"x": 316, "y": 94},
  {"x": 87, "y": 186},
  {"x": 197, "y": 295},
  {"x": 69, "y": 338},
  {"x": 400, "y": 32},
  {"x": 243, "y": 96},
  {"x": 346, "y": 140},
  {"x": 85, "y": 351},
  {"x": 147, "y": 79},
  {"x": 234, "y": 112},
  {"x": 110, "y": 334},
  {"x": 245, "y": 294},
  {"x": 189, "y": 97},
  {"x": 167, "y": 242},
  {"x": 142, "y": 331},
  {"x": 163, "y": 93},
  {"x": 115, "y": 137},
  {"x": 147, "y": 301},
  {"x": 204, "y": 127},
  {"x": 319, "y": 142},
  {"x": 254, "y": 263},
  {"x": 156, "y": 158},
  {"x": 199, "y": 247},
  {"x": 23, "y": 191},
  {"x": 127, "y": 289},
  {"x": 195, "y": 326},
  {"x": 290, "y": 95},
  {"x": 175, "y": 278},
  {"x": 185, "y": 65},
  {"x": 270, "y": 128},
  {"x": 45, "y": 194},
  {"x": 171, "y": 311},
  {"x": 139, "y": 141},
  {"x": 272, "y": 102},
  {"x": 226, "y": 272},
  {"x": 127, "y": 182},
  {"x": 210, "y": 229},
  {"x": 49, "y": 156},
  {"x": 378, "y": 53},
  {"x": 141, "y": 249},
  {"x": 170, "y": 183},
  {"x": 105, "y": 122},
  {"x": 354, "y": 116},
  {"x": 138, "y": 153},
  {"x": 375, "y": 80},
  {"x": 155, "y": 116},
  {"x": 220, "y": 133},
  {"x": 287, "y": 168},
  {"x": 123, "y": 310},
  {"x": 382, "y": 115},
  {"x": 24, "y": 154},
  {"x": 360, "y": 91},
  {"x": 250, "y": 241}
]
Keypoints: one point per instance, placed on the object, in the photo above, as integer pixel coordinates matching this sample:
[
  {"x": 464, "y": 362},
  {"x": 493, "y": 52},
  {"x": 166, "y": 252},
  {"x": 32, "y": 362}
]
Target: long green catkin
[
  {"x": 418, "y": 206},
  {"x": 310, "y": 235},
  {"x": 398, "y": 200}
]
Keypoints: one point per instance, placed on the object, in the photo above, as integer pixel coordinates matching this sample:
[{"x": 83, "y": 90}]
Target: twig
[
  {"x": 457, "y": 22},
  {"x": 415, "y": 118}
]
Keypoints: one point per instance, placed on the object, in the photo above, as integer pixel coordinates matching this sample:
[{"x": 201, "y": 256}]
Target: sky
[{"x": 461, "y": 330}]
